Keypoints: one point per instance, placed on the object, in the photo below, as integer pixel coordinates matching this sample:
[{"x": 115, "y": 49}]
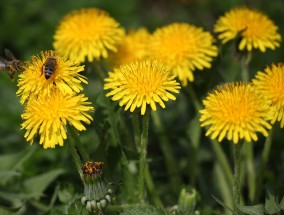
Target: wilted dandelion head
[
  {"x": 48, "y": 116},
  {"x": 87, "y": 33},
  {"x": 183, "y": 47},
  {"x": 134, "y": 46},
  {"x": 65, "y": 77},
  {"x": 255, "y": 29},
  {"x": 270, "y": 84},
  {"x": 141, "y": 83},
  {"x": 235, "y": 111}
]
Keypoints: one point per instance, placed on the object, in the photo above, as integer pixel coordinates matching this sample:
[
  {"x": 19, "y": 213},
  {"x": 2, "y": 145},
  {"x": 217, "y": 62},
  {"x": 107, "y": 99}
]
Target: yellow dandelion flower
[
  {"x": 89, "y": 32},
  {"x": 141, "y": 83},
  {"x": 134, "y": 46},
  {"x": 236, "y": 111},
  {"x": 270, "y": 84},
  {"x": 48, "y": 116},
  {"x": 256, "y": 30},
  {"x": 183, "y": 47},
  {"x": 65, "y": 77}
]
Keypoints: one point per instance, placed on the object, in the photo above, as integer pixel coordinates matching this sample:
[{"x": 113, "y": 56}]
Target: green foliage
[
  {"x": 37, "y": 181},
  {"x": 143, "y": 211},
  {"x": 252, "y": 210}
]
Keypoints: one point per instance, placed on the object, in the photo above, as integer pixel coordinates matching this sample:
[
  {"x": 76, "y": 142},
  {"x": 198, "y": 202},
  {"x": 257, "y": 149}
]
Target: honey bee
[
  {"x": 49, "y": 67},
  {"x": 11, "y": 64}
]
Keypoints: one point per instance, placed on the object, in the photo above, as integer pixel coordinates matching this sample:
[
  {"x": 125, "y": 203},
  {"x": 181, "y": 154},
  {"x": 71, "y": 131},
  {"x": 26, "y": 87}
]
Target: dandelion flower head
[
  {"x": 235, "y": 111},
  {"x": 134, "y": 46},
  {"x": 141, "y": 83},
  {"x": 270, "y": 84},
  {"x": 87, "y": 33},
  {"x": 65, "y": 77},
  {"x": 256, "y": 30},
  {"x": 48, "y": 117},
  {"x": 183, "y": 47}
]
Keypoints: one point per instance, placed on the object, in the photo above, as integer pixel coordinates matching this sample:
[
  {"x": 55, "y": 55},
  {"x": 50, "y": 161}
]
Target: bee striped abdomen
[{"x": 49, "y": 67}]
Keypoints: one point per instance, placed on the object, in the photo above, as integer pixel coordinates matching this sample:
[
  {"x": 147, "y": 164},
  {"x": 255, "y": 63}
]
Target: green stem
[
  {"x": 82, "y": 151},
  {"x": 137, "y": 130},
  {"x": 251, "y": 170},
  {"x": 267, "y": 147},
  {"x": 264, "y": 160},
  {"x": 244, "y": 66},
  {"x": 236, "y": 185},
  {"x": 165, "y": 145},
  {"x": 248, "y": 146},
  {"x": 148, "y": 177},
  {"x": 75, "y": 156},
  {"x": 143, "y": 155}
]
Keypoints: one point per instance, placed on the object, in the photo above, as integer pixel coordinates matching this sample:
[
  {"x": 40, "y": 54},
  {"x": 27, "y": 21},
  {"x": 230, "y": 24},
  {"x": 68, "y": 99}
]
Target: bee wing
[
  {"x": 3, "y": 63},
  {"x": 9, "y": 54}
]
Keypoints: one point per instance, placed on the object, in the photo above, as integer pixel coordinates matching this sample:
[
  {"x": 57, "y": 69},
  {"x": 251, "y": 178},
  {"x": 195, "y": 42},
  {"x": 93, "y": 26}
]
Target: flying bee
[
  {"x": 49, "y": 67},
  {"x": 11, "y": 64}
]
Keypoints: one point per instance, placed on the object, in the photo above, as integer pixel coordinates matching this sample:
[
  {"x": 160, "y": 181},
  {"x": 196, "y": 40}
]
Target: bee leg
[
  {"x": 12, "y": 76},
  {"x": 42, "y": 68}
]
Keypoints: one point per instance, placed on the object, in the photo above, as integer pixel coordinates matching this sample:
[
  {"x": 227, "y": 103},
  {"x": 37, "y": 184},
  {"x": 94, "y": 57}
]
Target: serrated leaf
[
  {"x": 271, "y": 206},
  {"x": 252, "y": 210},
  {"x": 143, "y": 211},
  {"x": 39, "y": 183}
]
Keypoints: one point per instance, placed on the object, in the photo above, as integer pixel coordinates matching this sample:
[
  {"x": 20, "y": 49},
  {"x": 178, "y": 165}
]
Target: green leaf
[
  {"x": 39, "y": 183},
  {"x": 252, "y": 210},
  {"x": 66, "y": 193},
  {"x": 222, "y": 203},
  {"x": 6, "y": 212},
  {"x": 271, "y": 206},
  {"x": 281, "y": 204},
  {"x": 12, "y": 162},
  {"x": 143, "y": 211}
]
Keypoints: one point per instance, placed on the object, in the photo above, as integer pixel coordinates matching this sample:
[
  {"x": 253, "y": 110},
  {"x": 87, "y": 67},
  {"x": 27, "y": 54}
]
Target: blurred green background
[{"x": 27, "y": 27}]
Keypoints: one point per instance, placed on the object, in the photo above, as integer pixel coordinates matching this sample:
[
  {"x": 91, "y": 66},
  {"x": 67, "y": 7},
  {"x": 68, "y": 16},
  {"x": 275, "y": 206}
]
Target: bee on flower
[{"x": 49, "y": 70}]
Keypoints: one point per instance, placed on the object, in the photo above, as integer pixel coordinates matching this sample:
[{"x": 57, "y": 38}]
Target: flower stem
[
  {"x": 236, "y": 185},
  {"x": 267, "y": 147},
  {"x": 248, "y": 146},
  {"x": 244, "y": 66},
  {"x": 82, "y": 151},
  {"x": 265, "y": 156},
  {"x": 251, "y": 170},
  {"x": 143, "y": 155},
  {"x": 75, "y": 156},
  {"x": 172, "y": 169},
  {"x": 137, "y": 131}
]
